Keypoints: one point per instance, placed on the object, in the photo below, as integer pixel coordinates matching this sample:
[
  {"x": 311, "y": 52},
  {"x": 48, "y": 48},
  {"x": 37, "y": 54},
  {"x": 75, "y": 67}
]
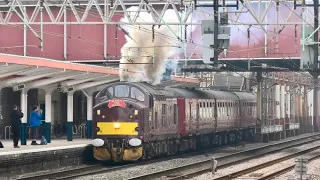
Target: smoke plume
[{"x": 143, "y": 54}]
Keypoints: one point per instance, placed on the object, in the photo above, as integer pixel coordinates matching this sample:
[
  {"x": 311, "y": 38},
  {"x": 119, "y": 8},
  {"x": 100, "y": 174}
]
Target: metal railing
[
  {"x": 7, "y": 132},
  {"x": 80, "y": 130},
  {"x": 77, "y": 130}
]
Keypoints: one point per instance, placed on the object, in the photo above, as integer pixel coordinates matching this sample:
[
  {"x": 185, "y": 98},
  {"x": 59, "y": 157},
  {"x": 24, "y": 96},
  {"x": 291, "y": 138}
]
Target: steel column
[
  {"x": 89, "y": 117},
  {"x": 48, "y": 119},
  {"x": 70, "y": 116},
  {"x": 25, "y": 35},
  {"x": 316, "y": 67},
  {"x": 65, "y": 33},
  {"x": 215, "y": 32},
  {"x": 23, "y": 108}
]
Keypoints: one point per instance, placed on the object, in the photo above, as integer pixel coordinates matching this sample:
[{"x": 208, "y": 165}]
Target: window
[
  {"x": 198, "y": 111},
  {"x": 121, "y": 91},
  {"x": 137, "y": 94},
  {"x": 175, "y": 114},
  {"x": 156, "y": 120},
  {"x": 110, "y": 90},
  {"x": 164, "y": 109},
  {"x": 106, "y": 94},
  {"x": 190, "y": 110},
  {"x": 162, "y": 121}
]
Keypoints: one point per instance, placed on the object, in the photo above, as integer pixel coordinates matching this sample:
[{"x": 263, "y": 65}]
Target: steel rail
[
  {"x": 98, "y": 169},
  {"x": 284, "y": 170},
  {"x": 265, "y": 164},
  {"x": 194, "y": 169}
]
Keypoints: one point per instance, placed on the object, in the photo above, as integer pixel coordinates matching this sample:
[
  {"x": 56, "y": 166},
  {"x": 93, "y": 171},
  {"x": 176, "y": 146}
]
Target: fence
[{"x": 79, "y": 131}]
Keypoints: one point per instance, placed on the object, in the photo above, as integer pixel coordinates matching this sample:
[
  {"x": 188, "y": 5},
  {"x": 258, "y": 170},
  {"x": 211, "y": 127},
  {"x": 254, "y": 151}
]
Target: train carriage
[{"x": 135, "y": 120}]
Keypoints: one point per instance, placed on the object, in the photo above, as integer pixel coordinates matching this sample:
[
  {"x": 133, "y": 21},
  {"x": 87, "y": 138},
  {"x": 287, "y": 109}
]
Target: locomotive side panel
[{"x": 164, "y": 123}]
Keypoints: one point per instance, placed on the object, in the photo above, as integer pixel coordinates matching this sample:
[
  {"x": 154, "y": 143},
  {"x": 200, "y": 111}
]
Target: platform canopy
[{"x": 22, "y": 72}]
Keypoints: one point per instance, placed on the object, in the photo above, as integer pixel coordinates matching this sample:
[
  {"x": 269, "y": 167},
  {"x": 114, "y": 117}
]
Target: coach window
[
  {"x": 211, "y": 110},
  {"x": 164, "y": 109},
  {"x": 156, "y": 120},
  {"x": 204, "y": 115},
  {"x": 175, "y": 114},
  {"x": 121, "y": 91},
  {"x": 190, "y": 111},
  {"x": 208, "y": 109},
  {"x": 137, "y": 94}
]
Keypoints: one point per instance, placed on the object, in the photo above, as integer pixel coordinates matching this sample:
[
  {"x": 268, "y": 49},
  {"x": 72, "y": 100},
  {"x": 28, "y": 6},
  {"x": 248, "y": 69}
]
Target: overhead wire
[{"x": 171, "y": 37}]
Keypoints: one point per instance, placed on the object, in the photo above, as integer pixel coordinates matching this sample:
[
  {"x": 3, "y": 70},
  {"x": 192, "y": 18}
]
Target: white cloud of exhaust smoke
[{"x": 139, "y": 46}]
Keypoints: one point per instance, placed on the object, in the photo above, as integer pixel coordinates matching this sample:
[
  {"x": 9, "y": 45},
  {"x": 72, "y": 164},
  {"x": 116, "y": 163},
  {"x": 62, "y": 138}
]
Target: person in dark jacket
[
  {"x": 35, "y": 121},
  {"x": 16, "y": 116}
]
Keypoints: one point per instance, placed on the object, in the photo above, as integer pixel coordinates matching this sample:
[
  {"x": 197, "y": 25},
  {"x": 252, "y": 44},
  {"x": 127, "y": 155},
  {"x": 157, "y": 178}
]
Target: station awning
[{"x": 22, "y": 72}]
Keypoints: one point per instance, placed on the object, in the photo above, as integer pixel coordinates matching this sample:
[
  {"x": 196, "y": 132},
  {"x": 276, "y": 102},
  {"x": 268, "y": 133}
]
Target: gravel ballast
[
  {"x": 313, "y": 172},
  {"x": 257, "y": 161},
  {"x": 158, "y": 166}
]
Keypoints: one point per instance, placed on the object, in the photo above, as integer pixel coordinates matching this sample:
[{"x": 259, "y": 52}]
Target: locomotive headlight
[
  {"x": 116, "y": 125},
  {"x": 98, "y": 142},
  {"x": 134, "y": 142},
  {"x": 136, "y": 112}
]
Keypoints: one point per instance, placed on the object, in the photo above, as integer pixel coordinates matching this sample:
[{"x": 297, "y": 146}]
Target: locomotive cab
[{"x": 118, "y": 123}]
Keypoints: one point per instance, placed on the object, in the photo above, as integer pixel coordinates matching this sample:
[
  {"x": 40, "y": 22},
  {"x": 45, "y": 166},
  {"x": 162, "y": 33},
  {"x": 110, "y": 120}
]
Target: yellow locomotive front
[{"x": 118, "y": 123}]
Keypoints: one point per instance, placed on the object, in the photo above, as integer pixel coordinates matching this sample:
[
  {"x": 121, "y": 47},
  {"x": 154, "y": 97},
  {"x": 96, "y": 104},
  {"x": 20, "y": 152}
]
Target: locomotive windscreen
[{"x": 116, "y": 114}]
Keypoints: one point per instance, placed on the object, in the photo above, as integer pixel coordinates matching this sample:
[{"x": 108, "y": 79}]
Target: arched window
[
  {"x": 110, "y": 90},
  {"x": 121, "y": 91},
  {"x": 137, "y": 94}
]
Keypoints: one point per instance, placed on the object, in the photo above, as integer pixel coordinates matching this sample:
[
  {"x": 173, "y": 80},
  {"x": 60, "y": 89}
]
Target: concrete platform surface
[{"x": 56, "y": 144}]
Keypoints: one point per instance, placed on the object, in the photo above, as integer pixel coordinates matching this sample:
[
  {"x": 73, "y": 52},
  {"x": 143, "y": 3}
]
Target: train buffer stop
[{"x": 65, "y": 92}]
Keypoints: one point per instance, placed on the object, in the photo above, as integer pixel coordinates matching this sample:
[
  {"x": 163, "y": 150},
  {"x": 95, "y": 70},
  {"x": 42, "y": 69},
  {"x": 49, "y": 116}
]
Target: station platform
[
  {"x": 56, "y": 144},
  {"x": 57, "y": 154}
]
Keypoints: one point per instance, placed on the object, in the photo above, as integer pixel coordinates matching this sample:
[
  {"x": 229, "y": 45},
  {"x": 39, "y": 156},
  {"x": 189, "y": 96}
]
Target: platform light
[{"x": 116, "y": 125}]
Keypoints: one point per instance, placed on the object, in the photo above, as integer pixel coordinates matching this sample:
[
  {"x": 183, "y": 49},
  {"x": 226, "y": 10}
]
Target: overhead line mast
[{"x": 316, "y": 65}]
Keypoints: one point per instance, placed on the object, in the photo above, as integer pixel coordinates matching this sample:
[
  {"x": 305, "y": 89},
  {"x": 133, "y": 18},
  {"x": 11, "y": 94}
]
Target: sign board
[
  {"x": 116, "y": 102},
  {"x": 214, "y": 164},
  {"x": 301, "y": 166},
  {"x": 307, "y": 55},
  {"x": 223, "y": 40}
]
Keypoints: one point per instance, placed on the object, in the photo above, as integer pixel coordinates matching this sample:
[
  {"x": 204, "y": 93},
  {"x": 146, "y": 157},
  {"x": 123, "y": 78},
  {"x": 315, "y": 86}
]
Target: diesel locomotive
[{"x": 133, "y": 121}]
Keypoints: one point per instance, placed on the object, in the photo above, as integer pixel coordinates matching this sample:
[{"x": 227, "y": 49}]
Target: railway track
[
  {"x": 98, "y": 168},
  {"x": 245, "y": 173},
  {"x": 285, "y": 169},
  {"x": 198, "y": 168},
  {"x": 172, "y": 173}
]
